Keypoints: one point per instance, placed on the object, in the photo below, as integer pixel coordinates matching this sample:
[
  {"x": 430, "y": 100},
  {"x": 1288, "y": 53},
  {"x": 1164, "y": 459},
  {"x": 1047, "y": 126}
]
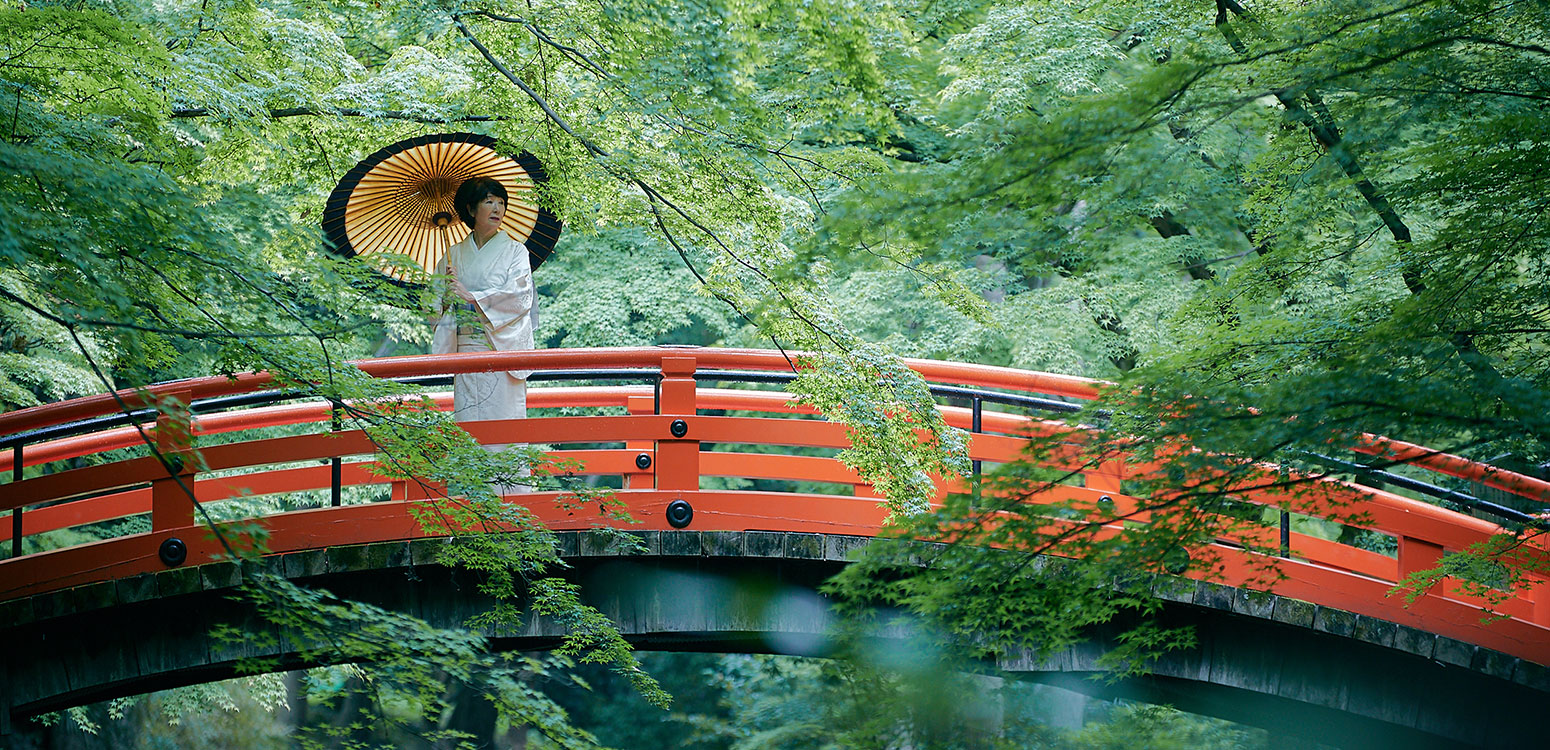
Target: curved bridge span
[{"x": 667, "y": 437}]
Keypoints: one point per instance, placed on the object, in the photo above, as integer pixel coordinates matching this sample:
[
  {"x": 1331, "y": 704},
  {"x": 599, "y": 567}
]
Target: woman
[{"x": 488, "y": 305}]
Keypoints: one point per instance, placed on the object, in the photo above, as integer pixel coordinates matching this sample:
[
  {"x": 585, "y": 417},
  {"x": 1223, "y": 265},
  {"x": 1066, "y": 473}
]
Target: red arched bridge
[{"x": 670, "y": 433}]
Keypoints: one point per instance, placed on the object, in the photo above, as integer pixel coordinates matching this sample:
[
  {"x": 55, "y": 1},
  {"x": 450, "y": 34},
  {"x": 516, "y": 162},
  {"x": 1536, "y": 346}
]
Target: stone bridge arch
[{"x": 1275, "y": 662}]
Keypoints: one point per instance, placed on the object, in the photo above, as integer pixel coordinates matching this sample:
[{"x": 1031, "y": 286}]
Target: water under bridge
[{"x": 1328, "y": 651}]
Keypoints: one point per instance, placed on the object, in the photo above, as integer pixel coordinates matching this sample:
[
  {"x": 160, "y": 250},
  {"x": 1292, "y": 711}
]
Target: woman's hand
[{"x": 458, "y": 290}]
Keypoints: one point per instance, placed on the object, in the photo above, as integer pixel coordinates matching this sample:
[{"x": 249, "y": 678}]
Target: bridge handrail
[
  {"x": 89, "y": 439},
  {"x": 1424, "y": 531},
  {"x": 1403, "y": 516},
  {"x": 420, "y": 365},
  {"x": 1412, "y": 519},
  {"x": 15, "y": 424}
]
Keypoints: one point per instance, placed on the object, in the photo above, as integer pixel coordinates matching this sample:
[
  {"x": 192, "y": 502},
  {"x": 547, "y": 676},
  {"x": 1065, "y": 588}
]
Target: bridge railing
[{"x": 668, "y": 445}]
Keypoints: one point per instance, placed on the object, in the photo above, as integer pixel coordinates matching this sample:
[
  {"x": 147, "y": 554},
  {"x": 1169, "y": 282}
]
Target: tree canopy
[{"x": 1276, "y": 226}]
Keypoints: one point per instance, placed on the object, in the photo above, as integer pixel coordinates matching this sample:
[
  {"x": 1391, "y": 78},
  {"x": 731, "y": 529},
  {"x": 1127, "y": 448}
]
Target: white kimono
[{"x": 501, "y": 281}]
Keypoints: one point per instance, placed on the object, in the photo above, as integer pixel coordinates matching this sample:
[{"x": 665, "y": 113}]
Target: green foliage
[
  {"x": 1160, "y": 727},
  {"x": 230, "y": 712},
  {"x": 410, "y": 662},
  {"x": 623, "y": 287},
  {"x": 902, "y": 699},
  {"x": 1321, "y": 211},
  {"x": 608, "y": 705},
  {"x": 139, "y": 246},
  {"x": 885, "y": 404},
  {"x": 1331, "y": 212}
]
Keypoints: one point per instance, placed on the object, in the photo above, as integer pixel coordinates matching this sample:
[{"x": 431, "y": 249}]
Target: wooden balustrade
[{"x": 662, "y": 458}]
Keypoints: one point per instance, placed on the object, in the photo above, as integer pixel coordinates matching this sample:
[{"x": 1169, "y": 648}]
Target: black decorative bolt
[
  {"x": 679, "y": 514},
  {"x": 643, "y": 461},
  {"x": 172, "y": 552},
  {"x": 679, "y": 428},
  {"x": 1106, "y": 500}
]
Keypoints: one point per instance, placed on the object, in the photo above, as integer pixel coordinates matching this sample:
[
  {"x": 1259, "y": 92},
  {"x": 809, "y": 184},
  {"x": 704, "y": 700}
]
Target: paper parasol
[{"x": 400, "y": 199}]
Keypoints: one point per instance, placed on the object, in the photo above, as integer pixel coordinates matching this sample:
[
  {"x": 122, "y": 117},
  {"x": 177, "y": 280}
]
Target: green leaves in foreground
[{"x": 409, "y": 664}]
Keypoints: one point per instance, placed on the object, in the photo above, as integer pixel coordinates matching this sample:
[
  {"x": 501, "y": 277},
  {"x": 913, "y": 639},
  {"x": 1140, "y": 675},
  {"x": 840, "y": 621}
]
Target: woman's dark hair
[{"x": 472, "y": 192}]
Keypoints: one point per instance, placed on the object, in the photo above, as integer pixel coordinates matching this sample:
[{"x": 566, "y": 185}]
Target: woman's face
[{"x": 488, "y": 214}]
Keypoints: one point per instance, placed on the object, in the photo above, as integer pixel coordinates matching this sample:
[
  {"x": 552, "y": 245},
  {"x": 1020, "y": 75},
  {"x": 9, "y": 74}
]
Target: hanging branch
[
  {"x": 576, "y": 55},
  {"x": 526, "y": 89},
  {"x": 586, "y": 63},
  {"x": 1327, "y": 136},
  {"x": 683, "y": 254},
  {"x": 190, "y": 112},
  {"x": 652, "y": 194},
  {"x": 1321, "y": 124},
  {"x": 681, "y": 124}
]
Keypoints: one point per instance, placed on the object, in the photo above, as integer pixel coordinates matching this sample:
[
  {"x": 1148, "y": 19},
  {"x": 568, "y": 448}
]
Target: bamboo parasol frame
[{"x": 399, "y": 200}]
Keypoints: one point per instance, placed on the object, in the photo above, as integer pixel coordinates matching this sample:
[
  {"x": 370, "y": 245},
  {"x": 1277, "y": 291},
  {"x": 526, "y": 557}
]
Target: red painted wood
[
  {"x": 1416, "y": 555},
  {"x": 677, "y": 460},
  {"x": 636, "y": 478},
  {"x": 1437, "y": 614},
  {"x": 320, "y": 528},
  {"x": 777, "y": 466},
  {"x": 358, "y": 473},
  {"x": 1402, "y": 515},
  {"x": 987, "y": 376},
  {"x": 65, "y": 515},
  {"x": 1327, "y": 573},
  {"x": 87, "y": 479},
  {"x": 1387, "y": 512},
  {"x": 1455, "y": 466},
  {"x": 172, "y": 494}
]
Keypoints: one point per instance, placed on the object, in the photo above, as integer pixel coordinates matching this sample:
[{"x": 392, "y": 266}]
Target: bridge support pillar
[
  {"x": 1416, "y": 555},
  {"x": 678, "y": 460},
  {"x": 1539, "y": 594},
  {"x": 1105, "y": 477},
  {"x": 412, "y": 489}
]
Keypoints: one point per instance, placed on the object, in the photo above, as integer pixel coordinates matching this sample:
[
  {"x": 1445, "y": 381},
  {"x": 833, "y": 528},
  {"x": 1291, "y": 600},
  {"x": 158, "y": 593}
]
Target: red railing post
[
  {"x": 1416, "y": 555},
  {"x": 639, "y": 479},
  {"x": 1538, "y": 596},
  {"x": 171, "y": 506},
  {"x": 1105, "y": 477},
  {"x": 678, "y": 457}
]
